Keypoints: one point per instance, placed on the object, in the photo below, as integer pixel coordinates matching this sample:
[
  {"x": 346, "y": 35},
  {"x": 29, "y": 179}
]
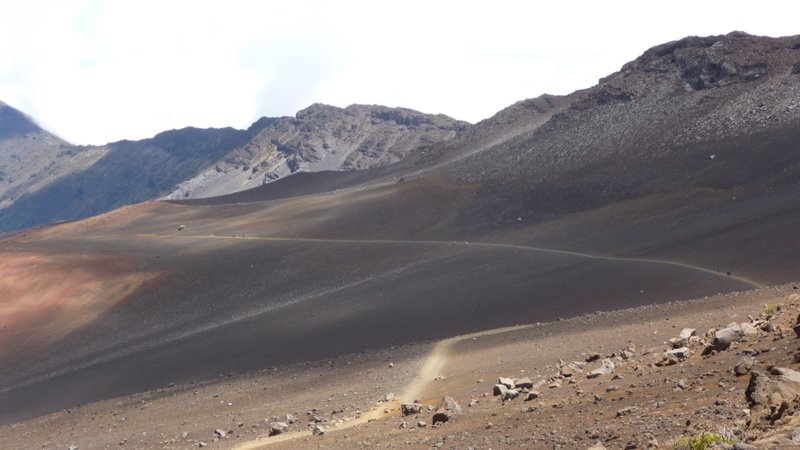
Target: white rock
[{"x": 606, "y": 367}]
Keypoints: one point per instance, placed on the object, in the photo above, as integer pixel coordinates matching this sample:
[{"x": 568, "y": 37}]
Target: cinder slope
[{"x": 602, "y": 199}]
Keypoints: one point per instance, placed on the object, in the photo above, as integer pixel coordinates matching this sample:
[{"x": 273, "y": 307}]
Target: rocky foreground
[{"x": 723, "y": 370}]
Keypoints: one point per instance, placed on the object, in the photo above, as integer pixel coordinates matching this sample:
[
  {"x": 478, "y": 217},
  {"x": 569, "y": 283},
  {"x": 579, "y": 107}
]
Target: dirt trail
[
  {"x": 749, "y": 282},
  {"x": 432, "y": 367}
]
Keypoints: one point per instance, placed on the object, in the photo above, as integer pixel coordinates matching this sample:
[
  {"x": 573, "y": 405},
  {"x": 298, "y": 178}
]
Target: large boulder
[
  {"x": 726, "y": 336},
  {"x": 772, "y": 395},
  {"x": 748, "y": 329}
]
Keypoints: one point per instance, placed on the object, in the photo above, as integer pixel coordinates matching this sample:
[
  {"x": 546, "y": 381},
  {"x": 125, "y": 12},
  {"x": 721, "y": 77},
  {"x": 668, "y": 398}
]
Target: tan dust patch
[{"x": 44, "y": 298}]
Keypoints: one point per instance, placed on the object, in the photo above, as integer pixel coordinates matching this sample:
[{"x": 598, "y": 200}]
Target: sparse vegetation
[
  {"x": 771, "y": 309},
  {"x": 702, "y": 441}
]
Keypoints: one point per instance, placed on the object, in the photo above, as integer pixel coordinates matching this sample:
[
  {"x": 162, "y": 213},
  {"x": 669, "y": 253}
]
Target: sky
[{"x": 100, "y": 71}]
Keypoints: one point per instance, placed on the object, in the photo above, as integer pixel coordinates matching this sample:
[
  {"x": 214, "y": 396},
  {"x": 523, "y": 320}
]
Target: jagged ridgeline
[{"x": 44, "y": 179}]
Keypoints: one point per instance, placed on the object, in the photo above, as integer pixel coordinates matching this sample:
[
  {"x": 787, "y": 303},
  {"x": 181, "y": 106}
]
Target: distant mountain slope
[
  {"x": 44, "y": 179},
  {"x": 30, "y": 157},
  {"x": 320, "y": 138}
]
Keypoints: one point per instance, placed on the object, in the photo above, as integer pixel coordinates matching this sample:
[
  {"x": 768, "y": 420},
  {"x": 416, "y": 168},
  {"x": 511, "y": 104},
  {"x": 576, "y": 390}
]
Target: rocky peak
[
  {"x": 320, "y": 137},
  {"x": 717, "y": 61},
  {"x": 318, "y": 111}
]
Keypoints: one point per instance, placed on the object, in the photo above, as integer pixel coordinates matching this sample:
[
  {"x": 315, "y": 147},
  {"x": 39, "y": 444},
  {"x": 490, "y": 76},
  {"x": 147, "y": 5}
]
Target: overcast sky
[{"x": 100, "y": 71}]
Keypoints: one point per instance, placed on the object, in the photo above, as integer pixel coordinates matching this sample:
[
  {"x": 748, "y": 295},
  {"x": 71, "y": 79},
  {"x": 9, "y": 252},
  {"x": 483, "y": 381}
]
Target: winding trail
[
  {"x": 431, "y": 368},
  {"x": 439, "y": 355},
  {"x": 747, "y": 281}
]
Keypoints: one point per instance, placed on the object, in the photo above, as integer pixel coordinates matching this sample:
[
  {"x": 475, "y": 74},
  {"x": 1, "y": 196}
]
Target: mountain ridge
[{"x": 72, "y": 182}]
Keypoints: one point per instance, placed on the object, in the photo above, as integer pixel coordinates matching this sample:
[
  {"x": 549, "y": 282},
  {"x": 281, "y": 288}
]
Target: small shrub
[
  {"x": 702, "y": 441},
  {"x": 771, "y": 309}
]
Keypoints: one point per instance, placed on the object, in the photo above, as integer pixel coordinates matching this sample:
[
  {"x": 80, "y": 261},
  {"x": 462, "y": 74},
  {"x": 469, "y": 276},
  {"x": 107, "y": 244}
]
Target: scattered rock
[
  {"x": 627, "y": 411},
  {"x": 421, "y": 424},
  {"x": 410, "y": 408},
  {"x": 511, "y": 394},
  {"x": 674, "y": 356},
  {"x": 441, "y": 417},
  {"x": 744, "y": 366},
  {"x": 500, "y": 389},
  {"x": 523, "y": 383},
  {"x": 592, "y": 356},
  {"x": 318, "y": 430},
  {"x": 795, "y": 435},
  {"x": 743, "y": 446},
  {"x": 568, "y": 371},
  {"x": 181, "y": 227},
  {"x": 748, "y": 329},
  {"x": 448, "y": 408},
  {"x": 597, "y": 446},
  {"x": 686, "y": 333},
  {"x": 201, "y": 444},
  {"x": 725, "y": 337},
  {"x": 606, "y": 368},
  {"x": 532, "y": 395},
  {"x": 628, "y": 352},
  {"x": 507, "y": 382},
  {"x": 683, "y": 338},
  {"x": 220, "y": 433},
  {"x": 796, "y": 327},
  {"x": 276, "y": 428},
  {"x": 449, "y": 404}
]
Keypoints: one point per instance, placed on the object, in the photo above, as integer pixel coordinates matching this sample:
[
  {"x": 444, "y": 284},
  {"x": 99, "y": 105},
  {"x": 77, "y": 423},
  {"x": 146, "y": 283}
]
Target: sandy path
[{"x": 432, "y": 367}]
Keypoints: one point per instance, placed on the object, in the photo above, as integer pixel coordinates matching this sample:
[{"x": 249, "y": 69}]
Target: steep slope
[
  {"x": 128, "y": 172},
  {"x": 31, "y": 158},
  {"x": 320, "y": 138},
  {"x": 49, "y": 180},
  {"x": 673, "y": 178}
]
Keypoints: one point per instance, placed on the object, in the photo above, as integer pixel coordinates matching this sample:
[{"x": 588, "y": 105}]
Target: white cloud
[{"x": 98, "y": 71}]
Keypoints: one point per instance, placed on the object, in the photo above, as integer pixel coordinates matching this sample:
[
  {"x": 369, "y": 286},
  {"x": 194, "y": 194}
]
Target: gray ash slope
[
  {"x": 64, "y": 182},
  {"x": 660, "y": 180},
  {"x": 686, "y": 149}
]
